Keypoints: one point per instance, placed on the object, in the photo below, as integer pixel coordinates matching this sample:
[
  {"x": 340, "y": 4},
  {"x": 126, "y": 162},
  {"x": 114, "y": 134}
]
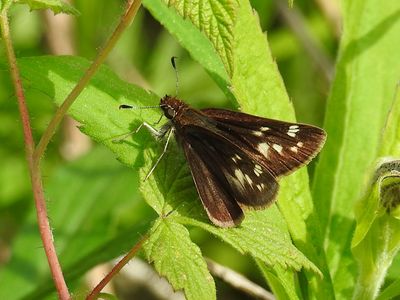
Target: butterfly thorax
[{"x": 172, "y": 107}]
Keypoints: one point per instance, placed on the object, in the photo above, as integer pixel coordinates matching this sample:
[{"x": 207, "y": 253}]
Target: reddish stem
[
  {"x": 40, "y": 203},
  {"x": 33, "y": 155},
  {"x": 93, "y": 295}
]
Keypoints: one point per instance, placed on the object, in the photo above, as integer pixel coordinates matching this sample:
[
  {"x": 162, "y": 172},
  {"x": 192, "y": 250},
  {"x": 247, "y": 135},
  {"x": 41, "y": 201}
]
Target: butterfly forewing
[{"x": 280, "y": 147}]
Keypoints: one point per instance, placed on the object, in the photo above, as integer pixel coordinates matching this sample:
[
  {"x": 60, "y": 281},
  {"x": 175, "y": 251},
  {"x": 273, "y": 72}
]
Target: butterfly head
[{"x": 171, "y": 106}]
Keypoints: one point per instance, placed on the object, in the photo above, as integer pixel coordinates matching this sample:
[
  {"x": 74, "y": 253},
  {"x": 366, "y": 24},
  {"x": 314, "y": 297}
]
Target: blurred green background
[{"x": 303, "y": 41}]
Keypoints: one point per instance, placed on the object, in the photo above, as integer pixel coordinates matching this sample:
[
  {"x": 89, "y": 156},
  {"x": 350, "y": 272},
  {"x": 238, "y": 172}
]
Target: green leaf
[
  {"x": 390, "y": 140},
  {"x": 366, "y": 77},
  {"x": 86, "y": 202},
  {"x": 391, "y": 292},
  {"x": 259, "y": 89},
  {"x": 283, "y": 283},
  {"x": 264, "y": 235},
  {"x": 57, "y": 6},
  {"x": 179, "y": 260},
  {"x": 193, "y": 40},
  {"x": 96, "y": 108},
  {"x": 256, "y": 82},
  {"x": 216, "y": 19}
]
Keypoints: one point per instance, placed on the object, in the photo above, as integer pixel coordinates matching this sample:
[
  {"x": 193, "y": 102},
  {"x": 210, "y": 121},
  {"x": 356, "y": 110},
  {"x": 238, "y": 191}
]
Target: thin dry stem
[
  {"x": 238, "y": 281},
  {"x": 331, "y": 10},
  {"x": 297, "y": 24},
  {"x": 116, "y": 268}
]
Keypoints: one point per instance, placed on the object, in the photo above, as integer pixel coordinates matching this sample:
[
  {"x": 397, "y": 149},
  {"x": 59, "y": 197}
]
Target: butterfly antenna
[
  {"x": 126, "y": 106},
  {"x": 173, "y": 62}
]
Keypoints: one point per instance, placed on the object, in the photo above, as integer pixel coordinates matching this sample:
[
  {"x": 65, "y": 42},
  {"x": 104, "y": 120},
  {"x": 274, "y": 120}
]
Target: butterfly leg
[
  {"x": 157, "y": 133},
  {"x": 159, "y": 120},
  {"x": 170, "y": 132},
  {"x": 153, "y": 131}
]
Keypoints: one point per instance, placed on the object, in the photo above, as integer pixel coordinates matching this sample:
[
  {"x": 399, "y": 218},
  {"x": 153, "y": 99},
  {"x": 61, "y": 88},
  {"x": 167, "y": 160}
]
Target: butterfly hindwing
[
  {"x": 218, "y": 203},
  {"x": 247, "y": 182}
]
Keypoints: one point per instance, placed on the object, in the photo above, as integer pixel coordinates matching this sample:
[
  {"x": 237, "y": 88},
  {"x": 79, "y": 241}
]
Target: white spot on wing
[
  {"x": 263, "y": 148},
  {"x": 257, "y": 133},
  {"x": 239, "y": 175},
  {"x": 257, "y": 170},
  {"x": 260, "y": 186},
  {"x": 293, "y": 149},
  {"x": 293, "y": 129},
  {"x": 278, "y": 148},
  {"x": 248, "y": 179},
  {"x": 264, "y": 129},
  {"x": 238, "y": 157},
  {"x": 300, "y": 144}
]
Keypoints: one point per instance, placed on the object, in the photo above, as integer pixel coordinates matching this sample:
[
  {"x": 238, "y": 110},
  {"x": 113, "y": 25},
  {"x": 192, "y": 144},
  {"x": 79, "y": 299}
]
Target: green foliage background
[{"x": 99, "y": 208}]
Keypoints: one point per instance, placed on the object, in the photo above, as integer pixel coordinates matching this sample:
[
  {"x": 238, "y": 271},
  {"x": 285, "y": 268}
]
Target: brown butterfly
[{"x": 236, "y": 158}]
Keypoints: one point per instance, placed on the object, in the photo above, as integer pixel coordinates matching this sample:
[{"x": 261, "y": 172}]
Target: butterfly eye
[{"x": 170, "y": 113}]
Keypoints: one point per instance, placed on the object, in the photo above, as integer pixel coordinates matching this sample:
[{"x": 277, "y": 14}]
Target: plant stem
[
  {"x": 40, "y": 203},
  {"x": 132, "y": 8},
  {"x": 116, "y": 268},
  {"x": 368, "y": 285},
  {"x": 297, "y": 24},
  {"x": 372, "y": 274},
  {"x": 238, "y": 281},
  {"x": 34, "y": 155}
]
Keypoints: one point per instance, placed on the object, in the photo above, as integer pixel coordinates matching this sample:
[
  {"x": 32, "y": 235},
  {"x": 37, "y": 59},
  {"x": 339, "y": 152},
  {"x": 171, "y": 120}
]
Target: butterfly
[{"x": 235, "y": 158}]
